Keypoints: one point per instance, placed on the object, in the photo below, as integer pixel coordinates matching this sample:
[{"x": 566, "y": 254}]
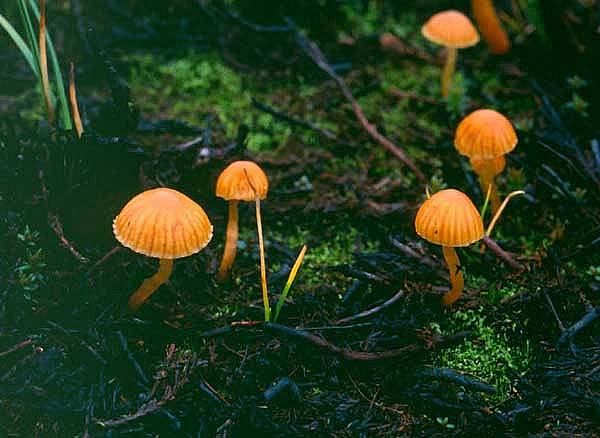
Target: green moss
[
  {"x": 193, "y": 85},
  {"x": 328, "y": 252},
  {"x": 489, "y": 354}
]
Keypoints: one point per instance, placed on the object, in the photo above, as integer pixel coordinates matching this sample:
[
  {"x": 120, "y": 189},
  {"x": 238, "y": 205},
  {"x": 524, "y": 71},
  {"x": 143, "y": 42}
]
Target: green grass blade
[
  {"x": 20, "y": 43},
  {"x": 65, "y": 114},
  {"x": 290, "y": 280},
  {"x": 29, "y": 30}
]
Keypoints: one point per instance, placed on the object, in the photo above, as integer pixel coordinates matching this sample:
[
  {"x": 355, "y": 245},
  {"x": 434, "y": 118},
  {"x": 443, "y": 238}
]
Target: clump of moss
[
  {"x": 489, "y": 354},
  {"x": 193, "y": 85},
  {"x": 333, "y": 251}
]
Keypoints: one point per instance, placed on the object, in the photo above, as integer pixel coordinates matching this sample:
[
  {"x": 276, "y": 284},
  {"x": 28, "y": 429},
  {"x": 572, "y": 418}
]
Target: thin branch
[
  {"x": 322, "y": 343},
  {"x": 315, "y": 53},
  {"x": 460, "y": 378},
  {"x": 372, "y": 311},
  {"x": 587, "y": 319},
  {"x": 14, "y": 348},
  {"x": 293, "y": 120},
  {"x": 493, "y": 245}
]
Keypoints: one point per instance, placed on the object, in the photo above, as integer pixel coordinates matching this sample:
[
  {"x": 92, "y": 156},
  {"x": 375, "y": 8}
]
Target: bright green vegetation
[
  {"x": 328, "y": 252},
  {"x": 191, "y": 86},
  {"x": 490, "y": 354}
]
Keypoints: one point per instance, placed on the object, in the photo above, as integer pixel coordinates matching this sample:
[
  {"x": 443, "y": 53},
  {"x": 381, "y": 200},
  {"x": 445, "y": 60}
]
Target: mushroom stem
[
  {"x": 150, "y": 284},
  {"x": 230, "y": 243},
  {"x": 486, "y": 181},
  {"x": 456, "y": 276},
  {"x": 449, "y": 68},
  {"x": 263, "y": 267},
  {"x": 490, "y": 26}
]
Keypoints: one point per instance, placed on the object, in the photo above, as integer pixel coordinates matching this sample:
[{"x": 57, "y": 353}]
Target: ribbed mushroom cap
[
  {"x": 449, "y": 218},
  {"x": 485, "y": 133},
  {"x": 451, "y": 29},
  {"x": 496, "y": 165},
  {"x": 242, "y": 181},
  {"x": 163, "y": 223}
]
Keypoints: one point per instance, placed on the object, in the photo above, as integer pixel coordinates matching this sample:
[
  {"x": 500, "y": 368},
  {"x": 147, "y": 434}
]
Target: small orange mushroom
[
  {"x": 243, "y": 181},
  {"x": 165, "y": 224},
  {"x": 453, "y": 30},
  {"x": 450, "y": 219},
  {"x": 490, "y": 26},
  {"x": 486, "y": 136}
]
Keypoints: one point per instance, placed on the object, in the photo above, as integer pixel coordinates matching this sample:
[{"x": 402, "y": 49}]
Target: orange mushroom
[
  {"x": 486, "y": 136},
  {"x": 453, "y": 30},
  {"x": 243, "y": 181},
  {"x": 165, "y": 224},
  {"x": 490, "y": 26},
  {"x": 450, "y": 219}
]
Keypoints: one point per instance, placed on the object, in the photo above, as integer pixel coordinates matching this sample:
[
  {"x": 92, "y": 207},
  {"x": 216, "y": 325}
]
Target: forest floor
[{"x": 169, "y": 97}]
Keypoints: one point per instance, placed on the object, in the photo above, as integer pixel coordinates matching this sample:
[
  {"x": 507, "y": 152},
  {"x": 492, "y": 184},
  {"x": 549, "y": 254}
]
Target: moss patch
[{"x": 490, "y": 354}]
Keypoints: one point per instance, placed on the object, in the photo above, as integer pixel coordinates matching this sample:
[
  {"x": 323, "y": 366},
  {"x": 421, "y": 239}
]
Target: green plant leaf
[
  {"x": 20, "y": 43},
  {"x": 290, "y": 280}
]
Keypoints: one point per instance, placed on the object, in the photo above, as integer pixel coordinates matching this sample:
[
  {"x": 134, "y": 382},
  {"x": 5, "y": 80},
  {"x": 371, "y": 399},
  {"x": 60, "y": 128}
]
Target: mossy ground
[{"x": 199, "y": 84}]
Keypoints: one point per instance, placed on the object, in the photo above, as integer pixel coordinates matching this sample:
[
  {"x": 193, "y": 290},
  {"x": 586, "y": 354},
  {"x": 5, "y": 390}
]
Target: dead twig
[
  {"x": 460, "y": 378},
  {"x": 413, "y": 96},
  {"x": 293, "y": 120},
  {"x": 493, "y": 245},
  {"x": 14, "y": 348},
  {"x": 372, "y": 311},
  {"x": 104, "y": 258},
  {"x": 81, "y": 342},
  {"x": 315, "y": 53},
  {"x": 428, "y": 342},
  {"x": 138, "y": 369},
  {"x": 422, "y": 258},
  {"x": 587, "y": 319},
  {"x": 56, "y": 225}
]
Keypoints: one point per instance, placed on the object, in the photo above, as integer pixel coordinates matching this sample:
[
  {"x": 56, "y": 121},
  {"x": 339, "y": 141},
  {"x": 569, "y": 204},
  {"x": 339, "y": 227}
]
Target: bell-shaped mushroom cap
[
  {"x": 451, "y": 29},
  {"x": 163, "y": 223},
  {"x": 485, "y": 133},
  {"x": 494, "y": 165},
  {"x": 449, "y": 218},
  {"x": 242, "y": 181}
]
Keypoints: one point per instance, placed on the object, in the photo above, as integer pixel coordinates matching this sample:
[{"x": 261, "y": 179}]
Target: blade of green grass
[
  {"x": 29, "y": 29},
  {"x": 65, "y": 115},
  {"x": 290, "y": 280},
  {"x": 20, "y": 43}
]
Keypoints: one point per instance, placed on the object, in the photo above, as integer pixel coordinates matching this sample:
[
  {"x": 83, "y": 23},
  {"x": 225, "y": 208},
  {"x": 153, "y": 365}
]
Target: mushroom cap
[
  {"x": 495, "y": 165},
  {"x": 449, "y": 218},
  {"x": 242, "y": 181},
  {"x": 451, "y": 29},
  {"x": 163, "y": 223},
  {"x": 485, "y": 133}
]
